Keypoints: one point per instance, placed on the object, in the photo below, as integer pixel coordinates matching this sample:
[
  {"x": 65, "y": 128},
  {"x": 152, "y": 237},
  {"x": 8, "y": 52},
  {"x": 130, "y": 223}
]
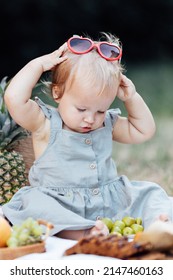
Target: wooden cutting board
[{"x": 13, "y": 253}]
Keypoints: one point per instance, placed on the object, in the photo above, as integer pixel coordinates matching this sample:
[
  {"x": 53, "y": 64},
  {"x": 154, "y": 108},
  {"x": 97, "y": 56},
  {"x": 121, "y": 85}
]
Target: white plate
[{"x": 131, "y": 237}]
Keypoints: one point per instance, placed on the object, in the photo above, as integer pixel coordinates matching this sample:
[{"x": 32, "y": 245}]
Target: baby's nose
[{"x": 89, "y": 119}]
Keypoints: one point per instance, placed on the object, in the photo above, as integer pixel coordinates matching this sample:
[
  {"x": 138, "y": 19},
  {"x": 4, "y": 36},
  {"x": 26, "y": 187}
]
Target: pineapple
[{"x": 12, "y": 166}]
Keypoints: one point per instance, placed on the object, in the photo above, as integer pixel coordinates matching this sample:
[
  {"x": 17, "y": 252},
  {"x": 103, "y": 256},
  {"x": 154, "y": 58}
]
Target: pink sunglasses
[{"x": 108, "y": 51}]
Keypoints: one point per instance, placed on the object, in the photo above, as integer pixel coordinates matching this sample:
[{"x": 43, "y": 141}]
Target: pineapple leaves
[
  {"x": 3, "y": 85},
  {"x": 10, "y": 131}
]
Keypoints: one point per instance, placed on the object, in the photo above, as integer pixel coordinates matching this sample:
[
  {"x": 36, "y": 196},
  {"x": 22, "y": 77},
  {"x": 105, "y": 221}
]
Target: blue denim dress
[{"x": 75, "y": 182}]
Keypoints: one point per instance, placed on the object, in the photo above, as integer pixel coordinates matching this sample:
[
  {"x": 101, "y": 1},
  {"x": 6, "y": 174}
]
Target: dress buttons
[
  {"x": 87, "y": 141},
  {"x": 92, "y": 165},
  {"x": 95, "y": 191}
]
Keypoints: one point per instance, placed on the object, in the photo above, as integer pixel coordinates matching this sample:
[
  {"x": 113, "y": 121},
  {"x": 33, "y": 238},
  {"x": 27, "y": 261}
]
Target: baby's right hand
[
  {"x": 99, "y": 228},
  {"x": 49, "y": 61}
]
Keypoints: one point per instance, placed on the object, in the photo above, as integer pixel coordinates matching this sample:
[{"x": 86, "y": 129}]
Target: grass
[
  {"x": 152, "y": 160},
  {"x": 154, "y": 83}
]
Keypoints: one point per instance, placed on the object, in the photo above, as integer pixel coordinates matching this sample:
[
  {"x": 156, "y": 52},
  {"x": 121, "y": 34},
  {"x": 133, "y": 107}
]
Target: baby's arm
[
  {"x": 139, "y": 125},
  {"x": 25, "y": 111}
]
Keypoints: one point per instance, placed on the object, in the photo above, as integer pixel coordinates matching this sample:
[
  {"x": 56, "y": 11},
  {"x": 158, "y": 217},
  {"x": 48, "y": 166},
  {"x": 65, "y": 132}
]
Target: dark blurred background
[{"x": 30, "y": 28}]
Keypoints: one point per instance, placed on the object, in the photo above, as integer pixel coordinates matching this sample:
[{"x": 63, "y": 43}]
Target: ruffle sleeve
[
  {"x": 112, "y": 115},
  {"x": 46, "y": 110}
]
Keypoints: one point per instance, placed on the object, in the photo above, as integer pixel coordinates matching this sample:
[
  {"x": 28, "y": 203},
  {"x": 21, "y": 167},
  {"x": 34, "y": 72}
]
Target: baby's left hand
[{"x": 126, "y": 89}]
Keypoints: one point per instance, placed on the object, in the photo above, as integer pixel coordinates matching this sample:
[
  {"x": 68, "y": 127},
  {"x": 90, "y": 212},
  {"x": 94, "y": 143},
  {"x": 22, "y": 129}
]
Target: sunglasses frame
[{"x": 97, "y": 46}]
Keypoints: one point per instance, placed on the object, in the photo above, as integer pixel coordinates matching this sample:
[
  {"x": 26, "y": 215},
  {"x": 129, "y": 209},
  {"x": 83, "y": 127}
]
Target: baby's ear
[{"x": 56, "y": 93}]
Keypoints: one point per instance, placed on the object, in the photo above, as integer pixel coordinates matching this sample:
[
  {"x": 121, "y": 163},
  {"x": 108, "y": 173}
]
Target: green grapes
[{"x": 29, "y": 232}]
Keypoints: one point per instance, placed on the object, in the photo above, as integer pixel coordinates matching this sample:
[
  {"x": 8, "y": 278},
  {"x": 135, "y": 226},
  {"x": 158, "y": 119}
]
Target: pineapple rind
[
  {"x": 12, "y": 166},
  {"x": 12, "y": 177}
]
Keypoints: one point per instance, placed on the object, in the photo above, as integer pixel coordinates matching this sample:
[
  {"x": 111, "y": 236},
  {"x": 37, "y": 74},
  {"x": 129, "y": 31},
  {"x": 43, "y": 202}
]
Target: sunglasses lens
[
  {"x": 109, "y": 51},
  {"x": 80, "y": 45}
]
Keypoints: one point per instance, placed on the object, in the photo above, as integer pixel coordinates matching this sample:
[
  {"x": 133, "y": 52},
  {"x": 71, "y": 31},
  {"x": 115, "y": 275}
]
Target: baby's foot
[
  {"x": 163, "y": 218},
  {"x": 99, "y": 227}
]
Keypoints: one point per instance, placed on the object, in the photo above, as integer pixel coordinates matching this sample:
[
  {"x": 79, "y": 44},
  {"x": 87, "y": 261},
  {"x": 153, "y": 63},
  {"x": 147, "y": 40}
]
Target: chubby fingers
[
  {"x": 49, "y": 61},
  {"x": 124, "y": 81},
  {"x": 59, "y": 53},
  {"x": 62, "y": 49}
]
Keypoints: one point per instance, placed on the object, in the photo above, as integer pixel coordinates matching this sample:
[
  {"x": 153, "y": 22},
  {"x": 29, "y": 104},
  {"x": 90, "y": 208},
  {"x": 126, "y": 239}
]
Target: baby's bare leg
[
  {"x": 163, "y": 218},
  {"x": 71, "y": 234},
  {"x": 99, "y": 227}
]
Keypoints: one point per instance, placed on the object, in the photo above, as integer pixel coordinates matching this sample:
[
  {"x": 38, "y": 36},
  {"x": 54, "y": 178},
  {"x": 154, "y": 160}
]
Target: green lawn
[
  {"x": 150, "y": 161},
  {"x": 154, "y": 82}
]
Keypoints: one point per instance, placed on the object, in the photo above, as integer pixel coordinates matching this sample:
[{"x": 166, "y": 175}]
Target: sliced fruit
[{"x": 5, "y": 232}]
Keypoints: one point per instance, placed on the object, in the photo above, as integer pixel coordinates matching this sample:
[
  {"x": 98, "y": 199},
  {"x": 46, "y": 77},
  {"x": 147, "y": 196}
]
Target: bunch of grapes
[{"x": 29, "y": 232}]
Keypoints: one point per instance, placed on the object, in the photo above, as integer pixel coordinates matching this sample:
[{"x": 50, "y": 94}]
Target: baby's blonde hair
[{"x": 91, "y": 67}]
